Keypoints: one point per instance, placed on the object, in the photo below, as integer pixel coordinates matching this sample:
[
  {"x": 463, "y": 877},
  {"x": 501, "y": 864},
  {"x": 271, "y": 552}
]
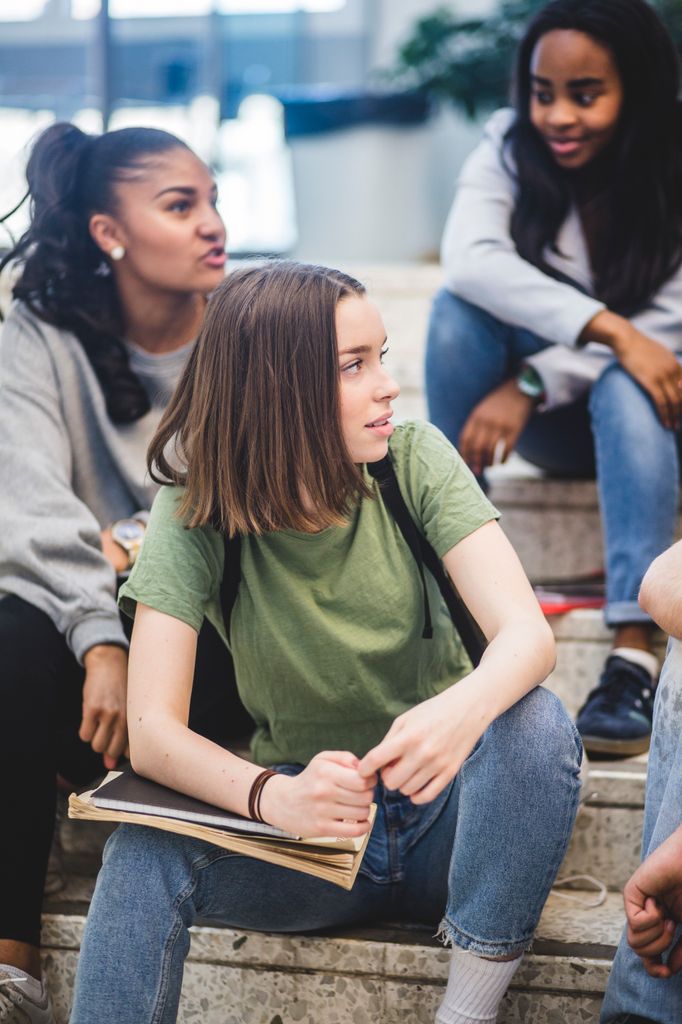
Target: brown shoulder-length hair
[{"x": 254, "y": 424}]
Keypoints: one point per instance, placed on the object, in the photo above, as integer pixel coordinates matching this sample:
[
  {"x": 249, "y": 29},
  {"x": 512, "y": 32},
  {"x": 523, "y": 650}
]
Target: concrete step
[
  {"x": 607, "y": 836},
  {"x": 364, "y": 976}
]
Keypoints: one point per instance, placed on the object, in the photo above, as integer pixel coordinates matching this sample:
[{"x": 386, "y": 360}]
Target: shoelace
[
  {"x": 620, "y": 681},
  {"x": 595, "y": 901}
]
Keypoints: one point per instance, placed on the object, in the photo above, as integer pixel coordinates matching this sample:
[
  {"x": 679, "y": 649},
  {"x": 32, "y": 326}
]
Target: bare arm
[
  {"x": 328, "y": 798},
  {"x": 661, "y": 591},
  {"x": 425, "y": 747}
]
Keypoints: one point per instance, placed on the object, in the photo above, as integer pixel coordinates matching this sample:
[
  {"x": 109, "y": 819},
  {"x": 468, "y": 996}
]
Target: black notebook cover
[{"x": 131, "y": 792}]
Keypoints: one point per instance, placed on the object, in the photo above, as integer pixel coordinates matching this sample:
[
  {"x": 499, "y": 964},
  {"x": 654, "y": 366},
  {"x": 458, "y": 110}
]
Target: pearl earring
[{"x": 117, "y": 253}]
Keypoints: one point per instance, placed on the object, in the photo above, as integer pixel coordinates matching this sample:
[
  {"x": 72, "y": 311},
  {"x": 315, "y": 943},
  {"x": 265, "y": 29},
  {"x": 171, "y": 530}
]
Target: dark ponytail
[
  {"x": 66, "y": 280},
  {"x": 640, "y": 209}
]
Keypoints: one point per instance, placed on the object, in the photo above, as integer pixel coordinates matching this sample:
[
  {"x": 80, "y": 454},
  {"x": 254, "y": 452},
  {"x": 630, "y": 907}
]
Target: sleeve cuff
[{"x": 93, "y": 630}]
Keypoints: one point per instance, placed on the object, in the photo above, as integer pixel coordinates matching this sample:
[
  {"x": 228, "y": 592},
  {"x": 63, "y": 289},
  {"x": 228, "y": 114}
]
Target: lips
[
  {"x": 215, "y": 257},
  {"x": 381, "y": 426},
  {"x": 564, "y": 146}
]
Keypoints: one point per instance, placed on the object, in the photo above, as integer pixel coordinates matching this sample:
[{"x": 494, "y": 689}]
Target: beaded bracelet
[{"x": 255, "y": 794}]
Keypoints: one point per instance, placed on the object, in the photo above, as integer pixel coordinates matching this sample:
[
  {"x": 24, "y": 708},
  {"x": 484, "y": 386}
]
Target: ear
[{"x": 105, "y": 232}]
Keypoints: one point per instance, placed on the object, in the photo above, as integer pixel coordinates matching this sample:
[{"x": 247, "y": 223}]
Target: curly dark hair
[
  {"x": 65, "y": 279},
  {"x": 641, "y": 207}
]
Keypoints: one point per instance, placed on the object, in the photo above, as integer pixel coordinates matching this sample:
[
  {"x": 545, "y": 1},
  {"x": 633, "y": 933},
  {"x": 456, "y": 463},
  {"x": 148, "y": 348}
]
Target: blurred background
[{"x": 335, "y": 127}]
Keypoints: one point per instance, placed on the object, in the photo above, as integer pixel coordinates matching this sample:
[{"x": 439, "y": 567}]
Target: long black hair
[
  {"x": 639, "y": 212},
  {"x": 65, "y": 279}
]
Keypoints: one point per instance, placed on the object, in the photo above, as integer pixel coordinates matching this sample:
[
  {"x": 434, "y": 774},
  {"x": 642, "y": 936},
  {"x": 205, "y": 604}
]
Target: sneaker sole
[{"x": 600, "y": 745}]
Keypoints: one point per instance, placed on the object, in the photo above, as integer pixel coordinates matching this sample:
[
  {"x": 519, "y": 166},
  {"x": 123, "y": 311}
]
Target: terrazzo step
[
  {"x": 607, "y": 837},
  {"x": 364, "y": 976}
]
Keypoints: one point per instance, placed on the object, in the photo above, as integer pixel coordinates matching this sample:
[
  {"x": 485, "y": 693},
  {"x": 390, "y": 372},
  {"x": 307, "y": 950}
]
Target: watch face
[{"x": 128, "y": 529}]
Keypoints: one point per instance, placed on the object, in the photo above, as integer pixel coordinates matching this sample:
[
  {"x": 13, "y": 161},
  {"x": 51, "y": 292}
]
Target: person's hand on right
[
  {"x": 103, "y": 724},
  {"x": 653, "y": 906},
  {"x": 494, "y": 426},
  {"x": 328, "y": 798},
  {"x": 651, "y": 364}
]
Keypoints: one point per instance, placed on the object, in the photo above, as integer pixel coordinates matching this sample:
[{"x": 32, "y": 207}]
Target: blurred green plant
[{"x": 468, "y": 61}]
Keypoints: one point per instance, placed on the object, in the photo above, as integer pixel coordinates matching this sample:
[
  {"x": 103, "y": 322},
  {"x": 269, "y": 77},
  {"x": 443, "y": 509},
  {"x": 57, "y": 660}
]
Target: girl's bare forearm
[{"x": 172, "y": 754}]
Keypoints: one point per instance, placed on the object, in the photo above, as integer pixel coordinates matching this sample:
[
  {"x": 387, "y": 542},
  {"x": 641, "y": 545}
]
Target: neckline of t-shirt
[{"x": 156, "y": 359}]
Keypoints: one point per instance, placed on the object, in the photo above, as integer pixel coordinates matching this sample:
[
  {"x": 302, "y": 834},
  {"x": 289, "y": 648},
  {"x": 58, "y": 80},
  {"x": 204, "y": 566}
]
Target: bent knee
[
  {"x": 615, "y": 390},
  {"x": 541, "y": 731}
]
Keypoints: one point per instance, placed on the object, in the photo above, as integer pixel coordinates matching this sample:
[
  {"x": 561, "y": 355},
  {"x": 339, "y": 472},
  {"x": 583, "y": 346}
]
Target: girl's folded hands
[{"x": 329, "y": 798}]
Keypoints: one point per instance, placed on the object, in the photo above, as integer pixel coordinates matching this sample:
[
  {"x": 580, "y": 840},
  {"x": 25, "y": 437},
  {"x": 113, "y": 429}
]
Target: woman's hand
[
  {"x": 498, "y": 420},
  {"x": 103, "y": 725},
  {"x": 328, "y": 798},
  {"x": 651, "y": 364},
  {"x": 427, "y": 745},
  {"x": 113, "y": 552}
]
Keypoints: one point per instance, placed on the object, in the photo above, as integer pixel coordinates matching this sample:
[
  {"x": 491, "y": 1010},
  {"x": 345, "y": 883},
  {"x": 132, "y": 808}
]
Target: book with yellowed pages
[{"x": 127, "y": 797}]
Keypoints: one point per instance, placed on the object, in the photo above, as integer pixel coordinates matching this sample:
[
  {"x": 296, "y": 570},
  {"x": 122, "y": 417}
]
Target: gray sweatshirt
[
  {"x": 67, "y": 472},
  {"x": 482, "y": 265}
]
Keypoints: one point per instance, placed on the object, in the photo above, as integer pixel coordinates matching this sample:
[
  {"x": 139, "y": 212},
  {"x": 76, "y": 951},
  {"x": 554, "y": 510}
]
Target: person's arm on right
[
  {"x": 329, "y": 797},
  {"x": 661, "y": 592}
]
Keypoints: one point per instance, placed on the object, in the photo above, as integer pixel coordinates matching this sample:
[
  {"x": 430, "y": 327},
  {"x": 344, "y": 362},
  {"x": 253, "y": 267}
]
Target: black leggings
[{"x": 40, "y": 710}]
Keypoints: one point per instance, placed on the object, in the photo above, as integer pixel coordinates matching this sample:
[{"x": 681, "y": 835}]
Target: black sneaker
[{"x": 616, "y": 717}]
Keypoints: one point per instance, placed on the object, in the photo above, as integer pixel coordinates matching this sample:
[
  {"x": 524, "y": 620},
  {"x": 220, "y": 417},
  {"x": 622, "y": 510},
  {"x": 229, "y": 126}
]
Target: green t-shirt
[{"x": 326, "y": 629}]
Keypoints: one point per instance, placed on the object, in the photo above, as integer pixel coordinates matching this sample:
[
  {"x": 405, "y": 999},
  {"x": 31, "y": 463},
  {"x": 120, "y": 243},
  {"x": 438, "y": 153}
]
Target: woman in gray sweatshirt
[
  {"x": 124, "y": 245},
  {"x": 559, "y": 331}
]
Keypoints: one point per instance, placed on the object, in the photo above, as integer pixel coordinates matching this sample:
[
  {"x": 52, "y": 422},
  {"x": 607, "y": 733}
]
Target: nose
[
  {"x": 387, "y": 388},
  {"x": 561, "y": 114},
  {"x": 211, "y": 225}
]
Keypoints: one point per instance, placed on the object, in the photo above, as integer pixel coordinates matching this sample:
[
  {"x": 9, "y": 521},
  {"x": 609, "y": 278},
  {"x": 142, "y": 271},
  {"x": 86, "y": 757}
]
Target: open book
[{"x": 127, "y": 797}]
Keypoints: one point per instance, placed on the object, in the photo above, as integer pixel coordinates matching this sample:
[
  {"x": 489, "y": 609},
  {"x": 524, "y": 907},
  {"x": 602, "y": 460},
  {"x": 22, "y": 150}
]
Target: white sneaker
[{"x": 23, "y": 999}]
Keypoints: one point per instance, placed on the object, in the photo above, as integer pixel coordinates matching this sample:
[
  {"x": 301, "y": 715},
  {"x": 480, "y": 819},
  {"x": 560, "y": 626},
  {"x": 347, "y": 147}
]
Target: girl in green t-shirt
[{"x": 284, "y": 400}]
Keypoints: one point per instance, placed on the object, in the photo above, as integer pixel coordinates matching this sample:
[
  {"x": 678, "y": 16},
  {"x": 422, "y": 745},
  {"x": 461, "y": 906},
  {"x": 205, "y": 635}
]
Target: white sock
[
  {"x": 645, "y": 659},
  {"x": 33, "y": 987},
  {"x": 475, "y": 988}
]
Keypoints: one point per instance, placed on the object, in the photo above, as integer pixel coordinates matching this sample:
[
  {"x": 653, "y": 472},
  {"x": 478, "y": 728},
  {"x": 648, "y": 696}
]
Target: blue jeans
[
  {"x": 480, "y": 859},
  {"x": 615, "y": 434},
  {"x": 630, "y": 989}
]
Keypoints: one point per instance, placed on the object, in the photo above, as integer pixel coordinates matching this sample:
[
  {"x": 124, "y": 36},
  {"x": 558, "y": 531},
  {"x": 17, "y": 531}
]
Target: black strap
[
  {"x": 422, "y": 552},
  {"x": 424, "y": 555}
]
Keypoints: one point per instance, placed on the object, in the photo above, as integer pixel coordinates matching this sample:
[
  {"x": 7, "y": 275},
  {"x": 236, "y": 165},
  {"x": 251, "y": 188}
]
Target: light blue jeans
[
  {"x": 630, "y": 989},
  {"x": 480, "y": 859},
  {"x": 614, "y": 434}
]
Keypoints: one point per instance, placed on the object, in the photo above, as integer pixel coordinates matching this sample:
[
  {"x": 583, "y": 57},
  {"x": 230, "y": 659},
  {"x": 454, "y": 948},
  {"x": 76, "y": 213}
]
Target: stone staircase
[{"x": 393, "y": 973}]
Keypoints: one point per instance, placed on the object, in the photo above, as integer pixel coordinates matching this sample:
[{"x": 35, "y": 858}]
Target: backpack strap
[
  {"x": 422, "y": 552},
  {"x": 232, "y": 575},
  {"x": 424, "y": 555}
]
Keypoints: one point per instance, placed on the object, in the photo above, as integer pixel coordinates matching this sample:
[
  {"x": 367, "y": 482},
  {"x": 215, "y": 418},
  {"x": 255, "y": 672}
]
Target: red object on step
[{"x": 556, "y": 597}]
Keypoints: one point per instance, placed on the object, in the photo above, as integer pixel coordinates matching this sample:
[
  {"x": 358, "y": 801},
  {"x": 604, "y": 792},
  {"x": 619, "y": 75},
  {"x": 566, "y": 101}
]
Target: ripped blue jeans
[{"x": 480, "y": 859}]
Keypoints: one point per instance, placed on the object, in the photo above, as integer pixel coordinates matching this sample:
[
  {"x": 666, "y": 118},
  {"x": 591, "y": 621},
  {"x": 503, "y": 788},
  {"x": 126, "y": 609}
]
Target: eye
[
  {"x": 352, "y": 369},
  {"x": 542, "y": 96},
  {"x": 179, "y": 206},
  {"x": 585, "y": 99},
  {"x": 383, "y": 353}
]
